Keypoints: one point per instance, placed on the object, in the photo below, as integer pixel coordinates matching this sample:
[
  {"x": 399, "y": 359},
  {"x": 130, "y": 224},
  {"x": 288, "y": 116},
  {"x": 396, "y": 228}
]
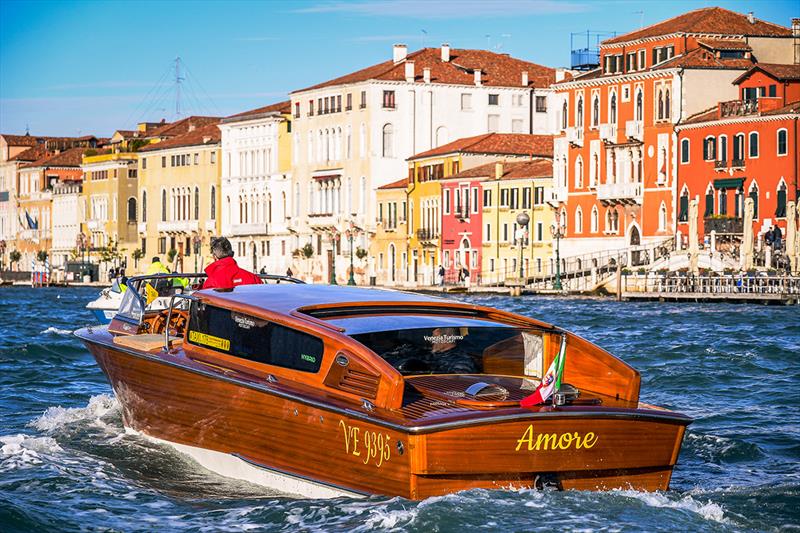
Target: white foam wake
[
  {"x": 20, "y": 451},
  {"x": 708, "y": 510},
  {"x": 55, "y": 331},
  {"x": 57, "y": 417}
]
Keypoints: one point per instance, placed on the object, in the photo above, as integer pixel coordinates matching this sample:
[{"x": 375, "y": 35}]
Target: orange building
[{"x": 615, "y": 161}]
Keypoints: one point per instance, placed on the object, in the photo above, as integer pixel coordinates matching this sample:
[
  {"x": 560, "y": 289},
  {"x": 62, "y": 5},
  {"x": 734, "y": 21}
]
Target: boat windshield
[{"x": 484, "y": 349}]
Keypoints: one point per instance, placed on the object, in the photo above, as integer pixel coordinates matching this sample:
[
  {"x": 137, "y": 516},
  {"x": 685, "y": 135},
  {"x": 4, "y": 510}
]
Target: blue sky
[{"x": 90, "y": 67}]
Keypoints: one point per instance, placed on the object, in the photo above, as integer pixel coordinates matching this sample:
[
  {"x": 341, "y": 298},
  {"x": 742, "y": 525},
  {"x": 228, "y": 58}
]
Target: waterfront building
[
  {"x": 434, "y": 212},
  {"x": 12, "y": 148},
  {"x": 738, "y": 149},
  {"x": 178, "y": 198},
  {"x": 615, "y": 162},
  {"x": 49, "y": 225},
  {"x": 353, "y": 134},
  {"x": 480, "y": 226},
  {"x": 256, "y": 196},
  {"x": 391, "y": 233}
]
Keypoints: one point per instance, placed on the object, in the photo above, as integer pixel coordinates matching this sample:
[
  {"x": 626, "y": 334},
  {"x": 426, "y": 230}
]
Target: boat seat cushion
[{"x": 147, "y": 342}]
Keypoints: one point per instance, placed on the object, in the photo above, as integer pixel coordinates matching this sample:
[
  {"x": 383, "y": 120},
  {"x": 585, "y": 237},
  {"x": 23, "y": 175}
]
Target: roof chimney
[
  {"x": 399, "y": 52},
  {"x": 524, "y": 78},
  {"x": 478, "y": 77},
  {"x": 410, "y": 71},
  {"x": 498, "y": 170},
  {"x": 445, "y": 53},
  {"x": 560, "y": 74},
  {"x": 426, "y": 75},
  {"x": 750, "y": 18},
  {"x": 191, "y": 127}
]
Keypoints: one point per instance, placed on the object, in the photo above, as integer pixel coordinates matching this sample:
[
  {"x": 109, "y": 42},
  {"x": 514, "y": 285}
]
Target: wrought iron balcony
[
  {"x": 720, "y": 165},
  {"x": 427, "y": 234},
  {"x": 737, "y": 163}
]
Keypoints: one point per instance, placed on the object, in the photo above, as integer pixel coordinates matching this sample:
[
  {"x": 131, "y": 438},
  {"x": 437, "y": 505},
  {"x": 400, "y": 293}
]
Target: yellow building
[
  {"x": 509, "y": 189},
  {"x": 179, "y": 195},
  {"x": 420, "y": 262},
  {"x": 391, "y": 233}
]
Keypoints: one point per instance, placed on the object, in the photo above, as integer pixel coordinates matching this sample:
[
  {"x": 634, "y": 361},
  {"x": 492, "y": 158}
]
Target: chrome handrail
[{"x": 189, "y": 297}]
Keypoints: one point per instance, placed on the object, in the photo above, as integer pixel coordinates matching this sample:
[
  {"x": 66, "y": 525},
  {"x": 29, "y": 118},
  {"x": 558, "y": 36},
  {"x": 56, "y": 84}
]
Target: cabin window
[{"x": 254, "y": 339}]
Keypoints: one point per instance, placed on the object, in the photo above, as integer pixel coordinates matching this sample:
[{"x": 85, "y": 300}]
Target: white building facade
[{"x": 68, "y": 209}]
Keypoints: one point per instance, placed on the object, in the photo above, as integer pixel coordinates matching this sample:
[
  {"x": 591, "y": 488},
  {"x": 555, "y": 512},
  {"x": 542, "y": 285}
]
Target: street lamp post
[
  {"x": 522, "y": 221},
  {"x": 196, "y": 240},
  {"x": 350, "y": 235},
  {"x": 558, "y": 230},
  {"x": 334, "y": 238}
]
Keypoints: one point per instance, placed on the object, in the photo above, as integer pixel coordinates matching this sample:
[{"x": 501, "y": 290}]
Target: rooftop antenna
[
  {"x": 27, "y": 129},
  {"x": 423, "y": 33},
  {"x": 641, "y": 17},
  {"x": 178, "y": 80},
  {"x": 503, "y": 43}
]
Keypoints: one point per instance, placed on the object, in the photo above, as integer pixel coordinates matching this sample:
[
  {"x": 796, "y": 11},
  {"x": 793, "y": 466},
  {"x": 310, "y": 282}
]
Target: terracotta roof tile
[
  {"x": 497, "y": 70},
  {"x": 280, "y": 107},
  {"x": 496, "y": 143},
  {"x": 179, "y": 127},
  {"x": 209, "y": 134},
  {"x": 702, "y": 58},
  {"x": 534, "y": 168},
  {"x": 31, "y": 154},
  {"x": 399, "y": 184},
  {"x": 708, "y": 20},
  {"x": 781, "y": 72},
  {"x": 725, "y": 44},
  {"x": 711, "y": 114},
  {"x": 67, "y": 158},
  {"x": 20, "y": 140}
]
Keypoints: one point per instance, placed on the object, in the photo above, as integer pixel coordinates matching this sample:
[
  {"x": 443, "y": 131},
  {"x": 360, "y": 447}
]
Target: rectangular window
[
  {"x": 782, "y": 144},
  {"x": 505, "y": 232},
  {"x": 297, "y": 110},
  {"x": 388, "y": 99},
  {"x": 753, "y": 145},
  {"x": 144, "y": 163},
  {"x": 515, "y": 198},
  {"x": 213, "y": 157},
  {"x": 164, "y": 161},
  {"x": 196, "y": 159},
  {"x": 655, "y": 55},
  {"x": 641, "y": 62},
  {"x": 503, "y": 197},
  {"x": 475, "y": 199},
  {"x": 447, "y": 201},
  {"x": 320, "y": 109},
  {"x": 538, "y": 196},
  {"x": 488, "y": 236},
  {"x": 162, "y": 245},
  {"x": 338, "y": 103},
  {"x": 773, "y": 92},
  {"x": 466, "y": 102},
  {"x": 526, "y": 198},
  {"x": 539, "y": 231},
  {"x": 493, "y": 123},
  {"x": 349, "y": 102},
  {"x": 487, "y": 198},
  {"x": 254, "y": 339},
  {"x": 494, "y": 99},
  {"x": 363, "y": 99},
  {"x": 311, "y": 108},
  {"x": 541, "y": 104}
]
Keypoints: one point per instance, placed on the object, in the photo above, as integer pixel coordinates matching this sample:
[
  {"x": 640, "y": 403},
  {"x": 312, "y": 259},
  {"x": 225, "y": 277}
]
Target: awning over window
[{"x": 729, "y": 183}]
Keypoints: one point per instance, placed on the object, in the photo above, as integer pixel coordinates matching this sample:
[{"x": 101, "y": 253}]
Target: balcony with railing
[
  {"x": 608, "y": 133},
  {"x": 427, "y": 234},
  {"x": 575, "y": 135},
  {"x": 634, "y": 129},
  {"x": 723, "y": 225},
  {"x": 742, "y": 108},
  {"x": 626, "y": 193},
  {"x": 179, "y": 226},
  {"x": 720, "y": 165},
  {"x": 238, "y": 230}
]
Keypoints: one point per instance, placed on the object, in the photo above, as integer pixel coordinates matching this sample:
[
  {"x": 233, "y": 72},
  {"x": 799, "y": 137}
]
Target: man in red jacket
[{"x": 224, "y": 273}]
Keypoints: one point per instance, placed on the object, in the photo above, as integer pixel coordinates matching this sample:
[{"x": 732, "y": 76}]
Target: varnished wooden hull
[{"x": 348, "y": 448}]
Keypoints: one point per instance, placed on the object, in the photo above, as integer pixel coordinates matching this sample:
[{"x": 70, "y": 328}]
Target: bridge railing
[{"x": 730, "y": 284}]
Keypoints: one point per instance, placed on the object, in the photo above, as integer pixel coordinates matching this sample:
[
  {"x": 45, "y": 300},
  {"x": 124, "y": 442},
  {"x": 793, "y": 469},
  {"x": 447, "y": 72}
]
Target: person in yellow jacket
[{"x": 157, "y": 267}]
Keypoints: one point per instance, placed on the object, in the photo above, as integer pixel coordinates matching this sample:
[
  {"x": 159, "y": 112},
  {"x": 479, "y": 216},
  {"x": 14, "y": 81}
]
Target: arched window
[
  {"x": 163, "y": 205},
  {"x": 564, "y": 220},
  {"x": 683, "y": 208},
  {"x": 754, "y": 196},
  {"x": 660, "y": 105},
  {"x": 579, "y": 113},
  {"x": 753, "y": 145},
  {"x": 613, "y": 109},
  {"x": 738, "y": 149},
  {"x": 684, "y": 150},
  {"x": 595, "y": 111},
  {"x": 667, "y": 114},
  {"x": 144, "y": 206},
  {"x": 723, "y": 202},
  {"x": 131, "y": 209},
  {"x": 662, "y": 217},
  {"x": 782, "y": 142},
  {"x": 709, "y": 148},
  {"x": 578, "y": 220},
  {"x": 441, "y": 136},
  {"x": 579, "y": 172},
  {"x": 213, "y": 208},
  {"x": 723, "y": 148},
  {"x": 362, "y": 200},
  {"x": 595, "y": 220},
  {"x": 594, "y": 170},
  {"x": 709, "y": 208},
  {"x": 388, "y": 140},
  {"x": 197, "y": 203},
  {"x": 780, "y": 210},
  {"x": 564, "y": 116},
  {"x": 639, "y": 104}
]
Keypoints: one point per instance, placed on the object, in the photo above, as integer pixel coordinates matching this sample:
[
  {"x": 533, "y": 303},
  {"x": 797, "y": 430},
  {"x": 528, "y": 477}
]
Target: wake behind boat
[{"x": 323, "y": 391}]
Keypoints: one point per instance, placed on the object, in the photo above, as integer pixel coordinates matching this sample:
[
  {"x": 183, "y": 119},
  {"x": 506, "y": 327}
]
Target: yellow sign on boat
[
  {"x": 209, "y": 340},
  {"x": 555, "y": 441},
  {"x": 150, "y": 293}
]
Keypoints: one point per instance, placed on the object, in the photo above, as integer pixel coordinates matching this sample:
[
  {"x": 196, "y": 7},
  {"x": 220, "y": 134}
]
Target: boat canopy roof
[{"x": 373, "y": 324}]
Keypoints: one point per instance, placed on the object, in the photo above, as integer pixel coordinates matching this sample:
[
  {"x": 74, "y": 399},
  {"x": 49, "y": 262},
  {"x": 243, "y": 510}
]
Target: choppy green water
[{"x": 66, "y": 462}]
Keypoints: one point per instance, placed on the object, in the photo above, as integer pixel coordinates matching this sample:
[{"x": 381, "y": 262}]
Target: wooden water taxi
[{"x": 324, "y": 391}]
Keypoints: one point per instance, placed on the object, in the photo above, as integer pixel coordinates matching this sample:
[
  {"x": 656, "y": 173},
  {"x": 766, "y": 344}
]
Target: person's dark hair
[
  {"x": 221, "y": 247},
  {"x": 156, "y": 259}
]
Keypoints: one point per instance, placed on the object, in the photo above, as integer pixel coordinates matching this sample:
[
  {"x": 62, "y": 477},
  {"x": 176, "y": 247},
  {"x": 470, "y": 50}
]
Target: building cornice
[
  {"x": 677, "y": 35},
  {"x": 623, "y": 78},
  {"x": 738, "y": 120}
]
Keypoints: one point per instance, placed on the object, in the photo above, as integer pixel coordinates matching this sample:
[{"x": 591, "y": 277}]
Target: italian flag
[{"x": 551, "y": 381}]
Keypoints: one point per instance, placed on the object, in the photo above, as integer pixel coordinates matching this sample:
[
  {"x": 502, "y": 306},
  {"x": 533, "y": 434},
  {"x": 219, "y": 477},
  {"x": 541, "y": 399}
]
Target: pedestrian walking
[{"x": 441, "y": 275}]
